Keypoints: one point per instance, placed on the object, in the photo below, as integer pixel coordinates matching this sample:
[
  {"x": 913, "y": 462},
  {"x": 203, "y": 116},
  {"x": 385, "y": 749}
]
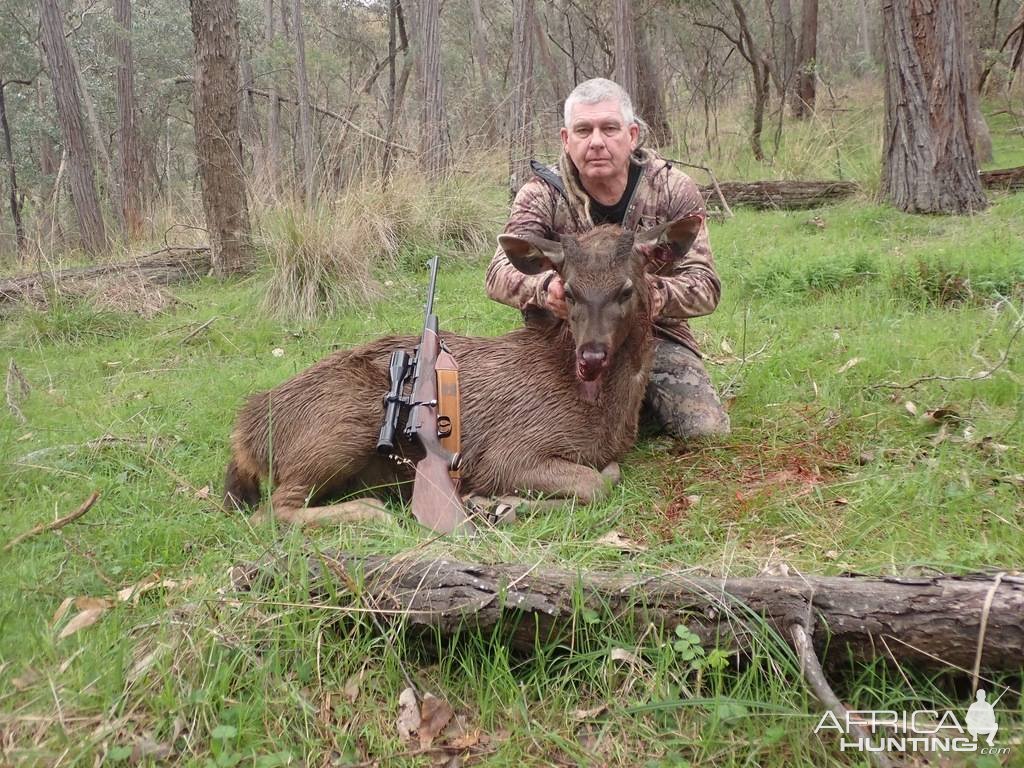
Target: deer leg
[
  {"x": 558, "y": 477},
  {"x": 288, "y": 505}
]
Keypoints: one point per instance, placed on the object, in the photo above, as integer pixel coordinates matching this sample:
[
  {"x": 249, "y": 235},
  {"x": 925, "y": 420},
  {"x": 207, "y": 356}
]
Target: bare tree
[
  {"x": 12, "y": 176},
  {"x": 64, "y": 77},
  {"x": 806, "y": 77},
  {"x": 483, "y": 65},
  {"x": 649, "y": 98},
  {"x": 520, "y": 124},
  {"x": 218, "y": 147},
  {"x": 132, "y": 202},
  {"x": 929, "y": 162},
  {"x": 397, "y": 83},
  {"x": 305, "y": 119},
  {"x": 625, "y": 46},
  {"x": 272, "y": 150},
  {"x": 434, "y": 149}
]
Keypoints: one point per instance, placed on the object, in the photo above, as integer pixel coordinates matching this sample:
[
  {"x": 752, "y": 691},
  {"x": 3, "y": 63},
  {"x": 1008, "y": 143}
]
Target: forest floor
[{"x": 872, "y": 365}]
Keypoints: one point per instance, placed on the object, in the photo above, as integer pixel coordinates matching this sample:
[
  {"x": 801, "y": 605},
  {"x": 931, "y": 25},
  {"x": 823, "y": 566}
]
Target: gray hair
[{"x": 596, "y": 90}]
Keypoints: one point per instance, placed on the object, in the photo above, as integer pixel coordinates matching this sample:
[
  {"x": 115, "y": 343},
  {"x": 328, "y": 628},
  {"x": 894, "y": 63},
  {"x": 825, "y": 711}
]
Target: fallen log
[
  {"x": 780, "y": 194},
  {"x": 929, "y": 621},
  {"x": 1003, "y": 178},
  {"x": 164, "y": 267}
]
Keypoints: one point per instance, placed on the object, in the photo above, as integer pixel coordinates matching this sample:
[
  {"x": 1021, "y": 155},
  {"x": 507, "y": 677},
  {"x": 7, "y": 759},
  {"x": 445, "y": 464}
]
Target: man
[{"x": 603, "y": 177}]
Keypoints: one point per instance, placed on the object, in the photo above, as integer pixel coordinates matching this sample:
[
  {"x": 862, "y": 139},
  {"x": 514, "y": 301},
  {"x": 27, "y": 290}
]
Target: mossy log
[{"x": 930, "y": 621}]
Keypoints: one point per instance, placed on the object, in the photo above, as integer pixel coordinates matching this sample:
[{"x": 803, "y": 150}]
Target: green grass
[{"x": 826, "y": 471}]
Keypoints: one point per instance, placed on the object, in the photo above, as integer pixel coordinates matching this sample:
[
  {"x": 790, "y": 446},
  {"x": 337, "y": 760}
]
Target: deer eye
[{"x": 626, "y": 292}]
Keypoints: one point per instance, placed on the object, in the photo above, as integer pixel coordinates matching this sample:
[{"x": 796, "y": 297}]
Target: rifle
[{"x": 435, "y": 500}]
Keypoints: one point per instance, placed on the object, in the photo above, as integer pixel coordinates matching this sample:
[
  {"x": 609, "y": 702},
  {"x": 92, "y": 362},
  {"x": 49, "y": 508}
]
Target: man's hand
[{"x": 554, "y": 298}]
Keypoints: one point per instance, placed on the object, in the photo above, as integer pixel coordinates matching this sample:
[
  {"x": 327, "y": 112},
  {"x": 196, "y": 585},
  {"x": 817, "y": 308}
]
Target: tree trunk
[
  {"x": 305, "y": 118},
  {"x": 132, "y": 202},
  {"x": 272, "y": 153},
  {"x": 865, "y": 34},
  {"x": 218, "y": 148},
  {"x": 520, "y": 124},
  {"x": 64, "y": 78},
  {"x": 980, "y": 135},
  {"x": 396, "y": 89},
  {"x": 12, "y": 175},
  {"x": 625, "y": 47},
  {"x": 250, "y": 131},
  {"x": 806, "y": 77},
  {"x": 649, "y": 100},
  {"x": 434, "y": 149},
  {"x": 787, "y": 42},
  {"x": 761, "y": 73},
  {"x": 929, "y": 621},
  {"x": 929, "y": 163},
  {"x": 483, "y": 65}
]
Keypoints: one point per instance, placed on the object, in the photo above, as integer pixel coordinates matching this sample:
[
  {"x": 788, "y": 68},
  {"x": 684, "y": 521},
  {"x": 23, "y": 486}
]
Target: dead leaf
[
  {"x": 840, "y": 501},
  {"x": 81, "y": 620},
  {"x": 940, "y": 416},
  {"x": 1017, "y": 480},
  {"x": 726, "y": 347},
  {"x": 203, "y": 493},
  {"x": 434, "y": 716},
  {"x": 621, "y": 654},
  {"x": 351, "y": 689},
  {"x": 26, "y": 679},
  {"x": 616, "y": 540},
  {"x": 589, "y": 714},
  {"x": 849, "y": 364},
  {"x": 408, "y": 714},
  {"x": 988, "y": 445},
  {"x": 26, "y": 436},
  {"x": 911, "y": 408},
  {"x": 466, "y": 740},
  {"x": 145, "y": 747},
  {"x": 61, "y": 611},
  {"x": 148, "y": 584},
  {"x": 832, "y": 555},
  {"x": 86, "y": 603},
  {"x": 941, "y": 436}
]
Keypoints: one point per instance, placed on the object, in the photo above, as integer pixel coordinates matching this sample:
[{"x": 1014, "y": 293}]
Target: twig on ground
[
  {"x": 59, "y": 523},
  {"x": 985, "y": 609},
  {"x": 199, "y": 330},
  {"x": 714, "y": 183},
  {"x": 974, "y": 377},
  {"x": 16, "y": 389},
  {"x": 815, "y": 677}
]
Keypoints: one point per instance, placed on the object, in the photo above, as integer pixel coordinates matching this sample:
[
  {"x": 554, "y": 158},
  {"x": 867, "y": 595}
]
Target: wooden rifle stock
[{"x": 435, "y": 500}]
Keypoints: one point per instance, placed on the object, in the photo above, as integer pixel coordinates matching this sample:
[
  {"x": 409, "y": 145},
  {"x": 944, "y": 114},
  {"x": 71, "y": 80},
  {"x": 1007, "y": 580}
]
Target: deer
[{"x": 545, "y": 409}]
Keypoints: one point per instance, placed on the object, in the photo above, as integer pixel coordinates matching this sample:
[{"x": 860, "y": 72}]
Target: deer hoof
[{"x": 612, "y": 474}]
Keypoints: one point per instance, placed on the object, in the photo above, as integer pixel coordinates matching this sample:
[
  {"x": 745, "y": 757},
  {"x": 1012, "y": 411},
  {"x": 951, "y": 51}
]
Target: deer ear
[
  {"x": 532, "y": 255},
  {"x": 681, "y": 233}
]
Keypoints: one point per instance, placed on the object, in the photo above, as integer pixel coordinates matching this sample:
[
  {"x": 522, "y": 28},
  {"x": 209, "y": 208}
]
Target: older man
[{"x": 603, "y": 177}]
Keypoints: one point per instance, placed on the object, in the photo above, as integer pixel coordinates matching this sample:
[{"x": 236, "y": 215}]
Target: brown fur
[{"x": 525, "y": 426}]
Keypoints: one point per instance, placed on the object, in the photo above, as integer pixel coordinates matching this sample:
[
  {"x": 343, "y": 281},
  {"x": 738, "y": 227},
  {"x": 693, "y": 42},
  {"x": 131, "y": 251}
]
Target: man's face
[{"x": 599, "y": 141}]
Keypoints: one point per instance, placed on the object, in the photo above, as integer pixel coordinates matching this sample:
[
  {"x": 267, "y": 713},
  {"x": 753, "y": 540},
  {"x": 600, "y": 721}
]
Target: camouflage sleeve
[
  {"x": 532, "y": 214},
  {"x": 690, "y": 283}
]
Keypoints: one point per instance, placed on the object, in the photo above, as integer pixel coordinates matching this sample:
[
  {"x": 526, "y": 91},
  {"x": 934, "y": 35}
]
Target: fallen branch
[
  {"x": 782, "y": 194},
  {"x": 16, "y": 389},
  {"x": 1003, "y": 178},
  {"x": 59, "y": 523},
  {"x": 935, "y": 620},
  {"x": 169, "y": 265},
  {"x": 971, "y": 377}
]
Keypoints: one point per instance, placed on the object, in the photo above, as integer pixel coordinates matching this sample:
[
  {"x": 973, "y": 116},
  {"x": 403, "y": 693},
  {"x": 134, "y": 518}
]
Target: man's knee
[{"x": 680, "y": 397}]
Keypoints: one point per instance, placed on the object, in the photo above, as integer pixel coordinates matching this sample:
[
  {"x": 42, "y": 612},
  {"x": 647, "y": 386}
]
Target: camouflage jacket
[{"x": 690, "y": 284}]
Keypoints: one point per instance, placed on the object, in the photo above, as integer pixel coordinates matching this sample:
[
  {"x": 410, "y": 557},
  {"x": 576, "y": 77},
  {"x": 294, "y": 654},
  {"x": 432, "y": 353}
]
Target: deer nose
[{"x": 593, "y": 357}]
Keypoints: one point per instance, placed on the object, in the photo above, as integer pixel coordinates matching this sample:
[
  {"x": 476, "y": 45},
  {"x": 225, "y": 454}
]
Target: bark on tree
[
  {"x": 132, "y": 201},
  {"x": 396, "y": 87},
  {"x": 929, "y": 621},
  {"x": 980, "y": 135},
  {"x": 305, "y": 118},
  {"x": 68, "y": 100},
  {"x": 803, "y": 95},
  {"x": 648, "y": 98},
  {"x": 272, "y": 152},
  {"x": 218, "y": 147},
  {"x": 520, "y": 123},
  {"x": 12, "y": 175},
  {"x": 483, "y": 64},
  {"x": 760, "y": 71},
  {"x": 786, "y": 40},
  {"x": 434, "y": 149},
  {"x": 625, "y": 47},
  {"x": 929, "y": 162},
  {"x": 865, "y": 34}
]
